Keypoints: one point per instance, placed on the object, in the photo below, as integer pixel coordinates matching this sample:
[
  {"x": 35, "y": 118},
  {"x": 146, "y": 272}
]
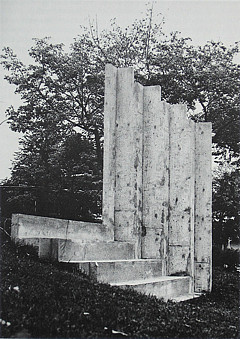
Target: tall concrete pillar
[
  {"x": 203, "y": 208},
  {"x": 122, "y": 198},
  {"x": 181, "y": 196},
  {"x": 155, "y": 176},
  {"x": 129, "y": 127},
  {"x": 109, "y": 166}
]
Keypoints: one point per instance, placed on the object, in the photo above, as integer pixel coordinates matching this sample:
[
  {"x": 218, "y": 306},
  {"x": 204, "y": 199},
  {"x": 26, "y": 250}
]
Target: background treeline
[{"x": 58, "y": 169}]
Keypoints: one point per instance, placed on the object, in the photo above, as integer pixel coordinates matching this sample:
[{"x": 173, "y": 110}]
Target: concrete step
[
  {"x": 32, "y": 226},
  {"x": 77, "y": 251},
  {"x": 166, "y": 287},
  {"x": 73, "y": 251},
  {"x": 121, "y": 270},
  {"x": 186, "y": 297}
]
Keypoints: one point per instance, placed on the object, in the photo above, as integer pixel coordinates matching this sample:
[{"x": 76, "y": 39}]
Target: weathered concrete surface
[
  {"x": 109, "y": 166},
  {"x": 128, "y": 161},
  {"x": 31, "y": 226},
  {"x": 122, "y": 270},
  {"x": 185, "y": 297},
  {"x": 152, "y": 242},
  {"x": 69, "y": 251},
  {"x": 162, "y": 287},
  {"x": 155, "y": 175},
  {"x": 203, "y": 208},
  {"x": 181, "y": 219}
]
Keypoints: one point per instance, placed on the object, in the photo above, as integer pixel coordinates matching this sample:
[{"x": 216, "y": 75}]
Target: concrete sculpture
[{"x": 156, "y": 229}]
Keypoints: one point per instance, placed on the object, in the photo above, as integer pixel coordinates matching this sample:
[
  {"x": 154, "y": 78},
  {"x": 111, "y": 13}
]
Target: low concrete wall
[
  {"x": 122, "y": 270},
  {"x": 162, "y": 287},
  {"x": 31, "y": 226}
]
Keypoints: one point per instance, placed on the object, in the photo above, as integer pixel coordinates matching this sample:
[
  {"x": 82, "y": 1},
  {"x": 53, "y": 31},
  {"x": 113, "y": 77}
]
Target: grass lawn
[{"x": 39, "y": 299}]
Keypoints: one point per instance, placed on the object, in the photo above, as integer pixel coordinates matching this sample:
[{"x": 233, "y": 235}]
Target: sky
[{"x": 23, "y": 20}]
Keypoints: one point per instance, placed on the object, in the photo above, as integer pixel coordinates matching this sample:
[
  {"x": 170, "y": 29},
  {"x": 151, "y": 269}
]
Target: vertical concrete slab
[
  {"x": 109, "y": 168},
  {"x": 203, "y": 208},
  {"x": 155, "y": 175},
  {"x": 181, "y": 219},
  {"x": 190, "y": 266},
  {"x": 128, "y": 193}
]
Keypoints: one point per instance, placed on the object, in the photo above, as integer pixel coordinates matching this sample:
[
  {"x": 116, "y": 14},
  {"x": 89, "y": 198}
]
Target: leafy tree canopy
[
  {"x": 68, "y": 88},
  {"x": 226, "y": 207}
]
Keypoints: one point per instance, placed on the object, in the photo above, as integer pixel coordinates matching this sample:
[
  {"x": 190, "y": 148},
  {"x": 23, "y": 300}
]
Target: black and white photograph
[{"x": 119, "y": 169}]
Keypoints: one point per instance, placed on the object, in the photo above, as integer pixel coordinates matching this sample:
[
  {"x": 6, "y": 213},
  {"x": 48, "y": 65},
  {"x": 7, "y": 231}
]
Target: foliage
[
  {"x": 227, "y": 258},
  {"x": 68, "y": 185},
  {"x": 42, "y": 300},
  {"x": 226, "y": 207},
  {"x": 65, "y": 90},
  {"x": 204, "y": 77},
  {"x": 69, "y": 87}
]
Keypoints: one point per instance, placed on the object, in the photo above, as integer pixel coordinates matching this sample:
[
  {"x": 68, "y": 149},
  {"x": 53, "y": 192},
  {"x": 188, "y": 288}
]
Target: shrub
[{"x": 228, "y": 258}]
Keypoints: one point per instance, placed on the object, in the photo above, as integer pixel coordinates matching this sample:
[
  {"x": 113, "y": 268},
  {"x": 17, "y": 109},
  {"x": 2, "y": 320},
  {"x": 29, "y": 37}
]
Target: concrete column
[
  {"x": 155, "y": 175},
  {"x": 203, "y": 208},
  {"x": 129, "y": 130},
  {"x": 109, "y": 168},
  {"x": 181, "y": 219}
]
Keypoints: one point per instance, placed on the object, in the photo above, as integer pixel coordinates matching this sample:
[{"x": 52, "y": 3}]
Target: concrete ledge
[
  {"x": 121, "y": 270},
  {"x": 186, "y": 297},
  {"x": 166, "y": 287},
  {"x": 69, "y": 251},
  {"x": 31, "y": 226}
]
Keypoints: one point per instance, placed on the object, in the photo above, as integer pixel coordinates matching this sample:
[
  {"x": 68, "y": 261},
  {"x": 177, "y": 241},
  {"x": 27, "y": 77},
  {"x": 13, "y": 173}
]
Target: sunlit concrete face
[{"x": 157, "y": 177}]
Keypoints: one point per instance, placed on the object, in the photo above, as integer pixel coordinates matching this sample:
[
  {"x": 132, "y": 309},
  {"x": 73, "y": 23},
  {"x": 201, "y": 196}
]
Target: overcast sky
[{"x": 22, "y": 20}]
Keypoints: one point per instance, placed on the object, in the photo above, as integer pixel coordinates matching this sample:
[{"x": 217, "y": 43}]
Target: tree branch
[
  {"x": 3, "y": 121},
  {"x": 204, "y": 110}
]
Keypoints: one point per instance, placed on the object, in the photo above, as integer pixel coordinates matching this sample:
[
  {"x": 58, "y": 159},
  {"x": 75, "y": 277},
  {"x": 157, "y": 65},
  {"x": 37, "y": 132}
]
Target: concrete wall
[{"x": 31, "y": 226}]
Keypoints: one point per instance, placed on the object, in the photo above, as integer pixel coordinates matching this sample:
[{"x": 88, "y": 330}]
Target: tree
[
  {"x": 64, "y": 93},
  {"x": 70, "y": 86},
  {"x": 56, "y": 100},
  {"x": 226, "y": 207},
  {"x": 64, "y": 88},
  {"x": 204, "y": 77},
  {"x": 74, "y": 184}
]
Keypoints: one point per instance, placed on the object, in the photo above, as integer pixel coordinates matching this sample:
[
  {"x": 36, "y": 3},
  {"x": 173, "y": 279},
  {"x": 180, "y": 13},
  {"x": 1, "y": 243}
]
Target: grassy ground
[{"x": 39, "y": 299}]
